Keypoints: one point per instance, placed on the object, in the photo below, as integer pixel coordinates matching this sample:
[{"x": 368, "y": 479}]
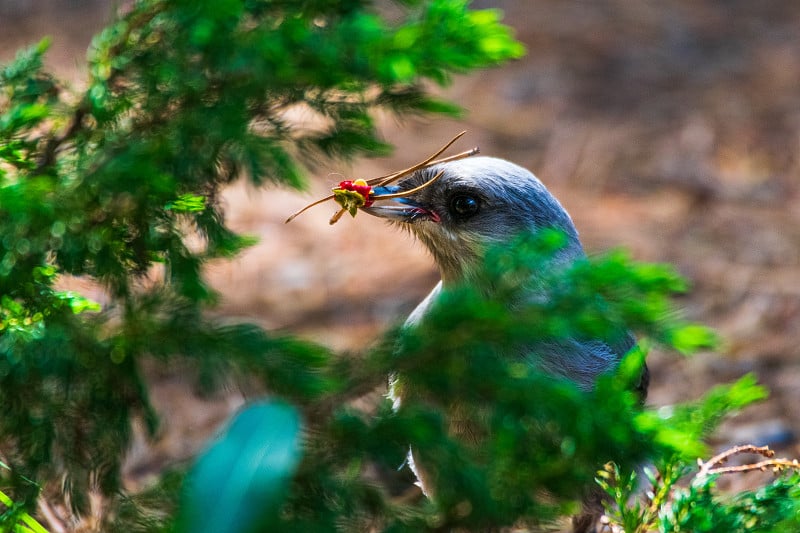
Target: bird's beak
[{"x": 398, "y": 209}]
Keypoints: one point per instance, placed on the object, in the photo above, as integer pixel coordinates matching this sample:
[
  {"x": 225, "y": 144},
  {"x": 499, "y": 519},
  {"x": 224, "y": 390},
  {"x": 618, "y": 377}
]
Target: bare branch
[{"x": 714, "y": 465}]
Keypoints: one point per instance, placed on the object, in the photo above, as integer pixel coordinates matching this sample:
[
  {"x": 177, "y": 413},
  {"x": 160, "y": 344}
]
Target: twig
[
  {"x": 777, "y": 465},
  {"x": 713, "y": 465},
  {"x": 48, "y": 156}
]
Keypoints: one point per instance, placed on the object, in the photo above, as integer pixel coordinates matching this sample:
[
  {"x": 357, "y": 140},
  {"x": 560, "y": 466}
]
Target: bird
[{"x": 476, "y": 203}]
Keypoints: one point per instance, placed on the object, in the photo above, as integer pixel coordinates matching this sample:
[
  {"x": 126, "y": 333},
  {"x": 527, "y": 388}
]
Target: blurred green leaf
[
  {"x": 691, "y": 338},
  {"x": 684, "y": 427},
  {"x": 239, "y": 483},
  {"x": 20, "y": 521},
  {"x": 78, "y": 303},
  {"x": 187, "y": 203}
]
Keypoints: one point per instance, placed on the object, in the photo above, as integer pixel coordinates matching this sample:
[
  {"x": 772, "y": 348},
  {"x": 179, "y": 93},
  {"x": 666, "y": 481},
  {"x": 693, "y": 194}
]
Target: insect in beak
[{"x": 360, "y": 193}]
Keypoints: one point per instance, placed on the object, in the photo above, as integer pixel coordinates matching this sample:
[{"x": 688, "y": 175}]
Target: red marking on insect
[{"x": 361, "y": 187}]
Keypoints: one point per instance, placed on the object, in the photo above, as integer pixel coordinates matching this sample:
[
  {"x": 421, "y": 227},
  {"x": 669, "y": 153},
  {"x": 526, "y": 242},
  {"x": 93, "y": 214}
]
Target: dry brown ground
[{"x": 668, "y": 128}]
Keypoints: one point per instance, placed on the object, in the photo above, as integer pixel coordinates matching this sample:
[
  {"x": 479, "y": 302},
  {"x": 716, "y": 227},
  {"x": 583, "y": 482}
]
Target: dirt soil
[{"x": 671, "y": 129}]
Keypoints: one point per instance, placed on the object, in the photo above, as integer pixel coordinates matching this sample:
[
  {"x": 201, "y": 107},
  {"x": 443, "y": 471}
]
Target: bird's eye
[{"x": 464, "y": 206}]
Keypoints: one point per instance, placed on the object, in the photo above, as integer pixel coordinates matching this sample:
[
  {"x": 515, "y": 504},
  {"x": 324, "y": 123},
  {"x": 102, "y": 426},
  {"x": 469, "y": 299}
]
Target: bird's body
[{"x": 481, "y": 202}]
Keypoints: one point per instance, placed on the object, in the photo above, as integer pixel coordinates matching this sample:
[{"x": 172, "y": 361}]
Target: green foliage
[
  {"x": 692, "y": 421},
  {"x": 16, "y": 517},
  {"x": 670, "y": 508},
  {"x": 112, "y": 184},
  {"x": 774, "y": 508},
  {"x": 503, "y": 443}
]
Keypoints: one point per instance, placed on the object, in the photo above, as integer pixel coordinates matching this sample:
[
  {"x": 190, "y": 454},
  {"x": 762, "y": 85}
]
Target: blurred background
[{"x": 670, "y": 128}]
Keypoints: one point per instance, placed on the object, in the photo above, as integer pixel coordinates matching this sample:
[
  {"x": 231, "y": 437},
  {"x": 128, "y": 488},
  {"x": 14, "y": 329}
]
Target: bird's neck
[{"x": 472, "y": 270}]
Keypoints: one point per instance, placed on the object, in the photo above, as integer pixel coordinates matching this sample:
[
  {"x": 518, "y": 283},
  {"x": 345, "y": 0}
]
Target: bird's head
[{"x": 476, "y": 203}]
